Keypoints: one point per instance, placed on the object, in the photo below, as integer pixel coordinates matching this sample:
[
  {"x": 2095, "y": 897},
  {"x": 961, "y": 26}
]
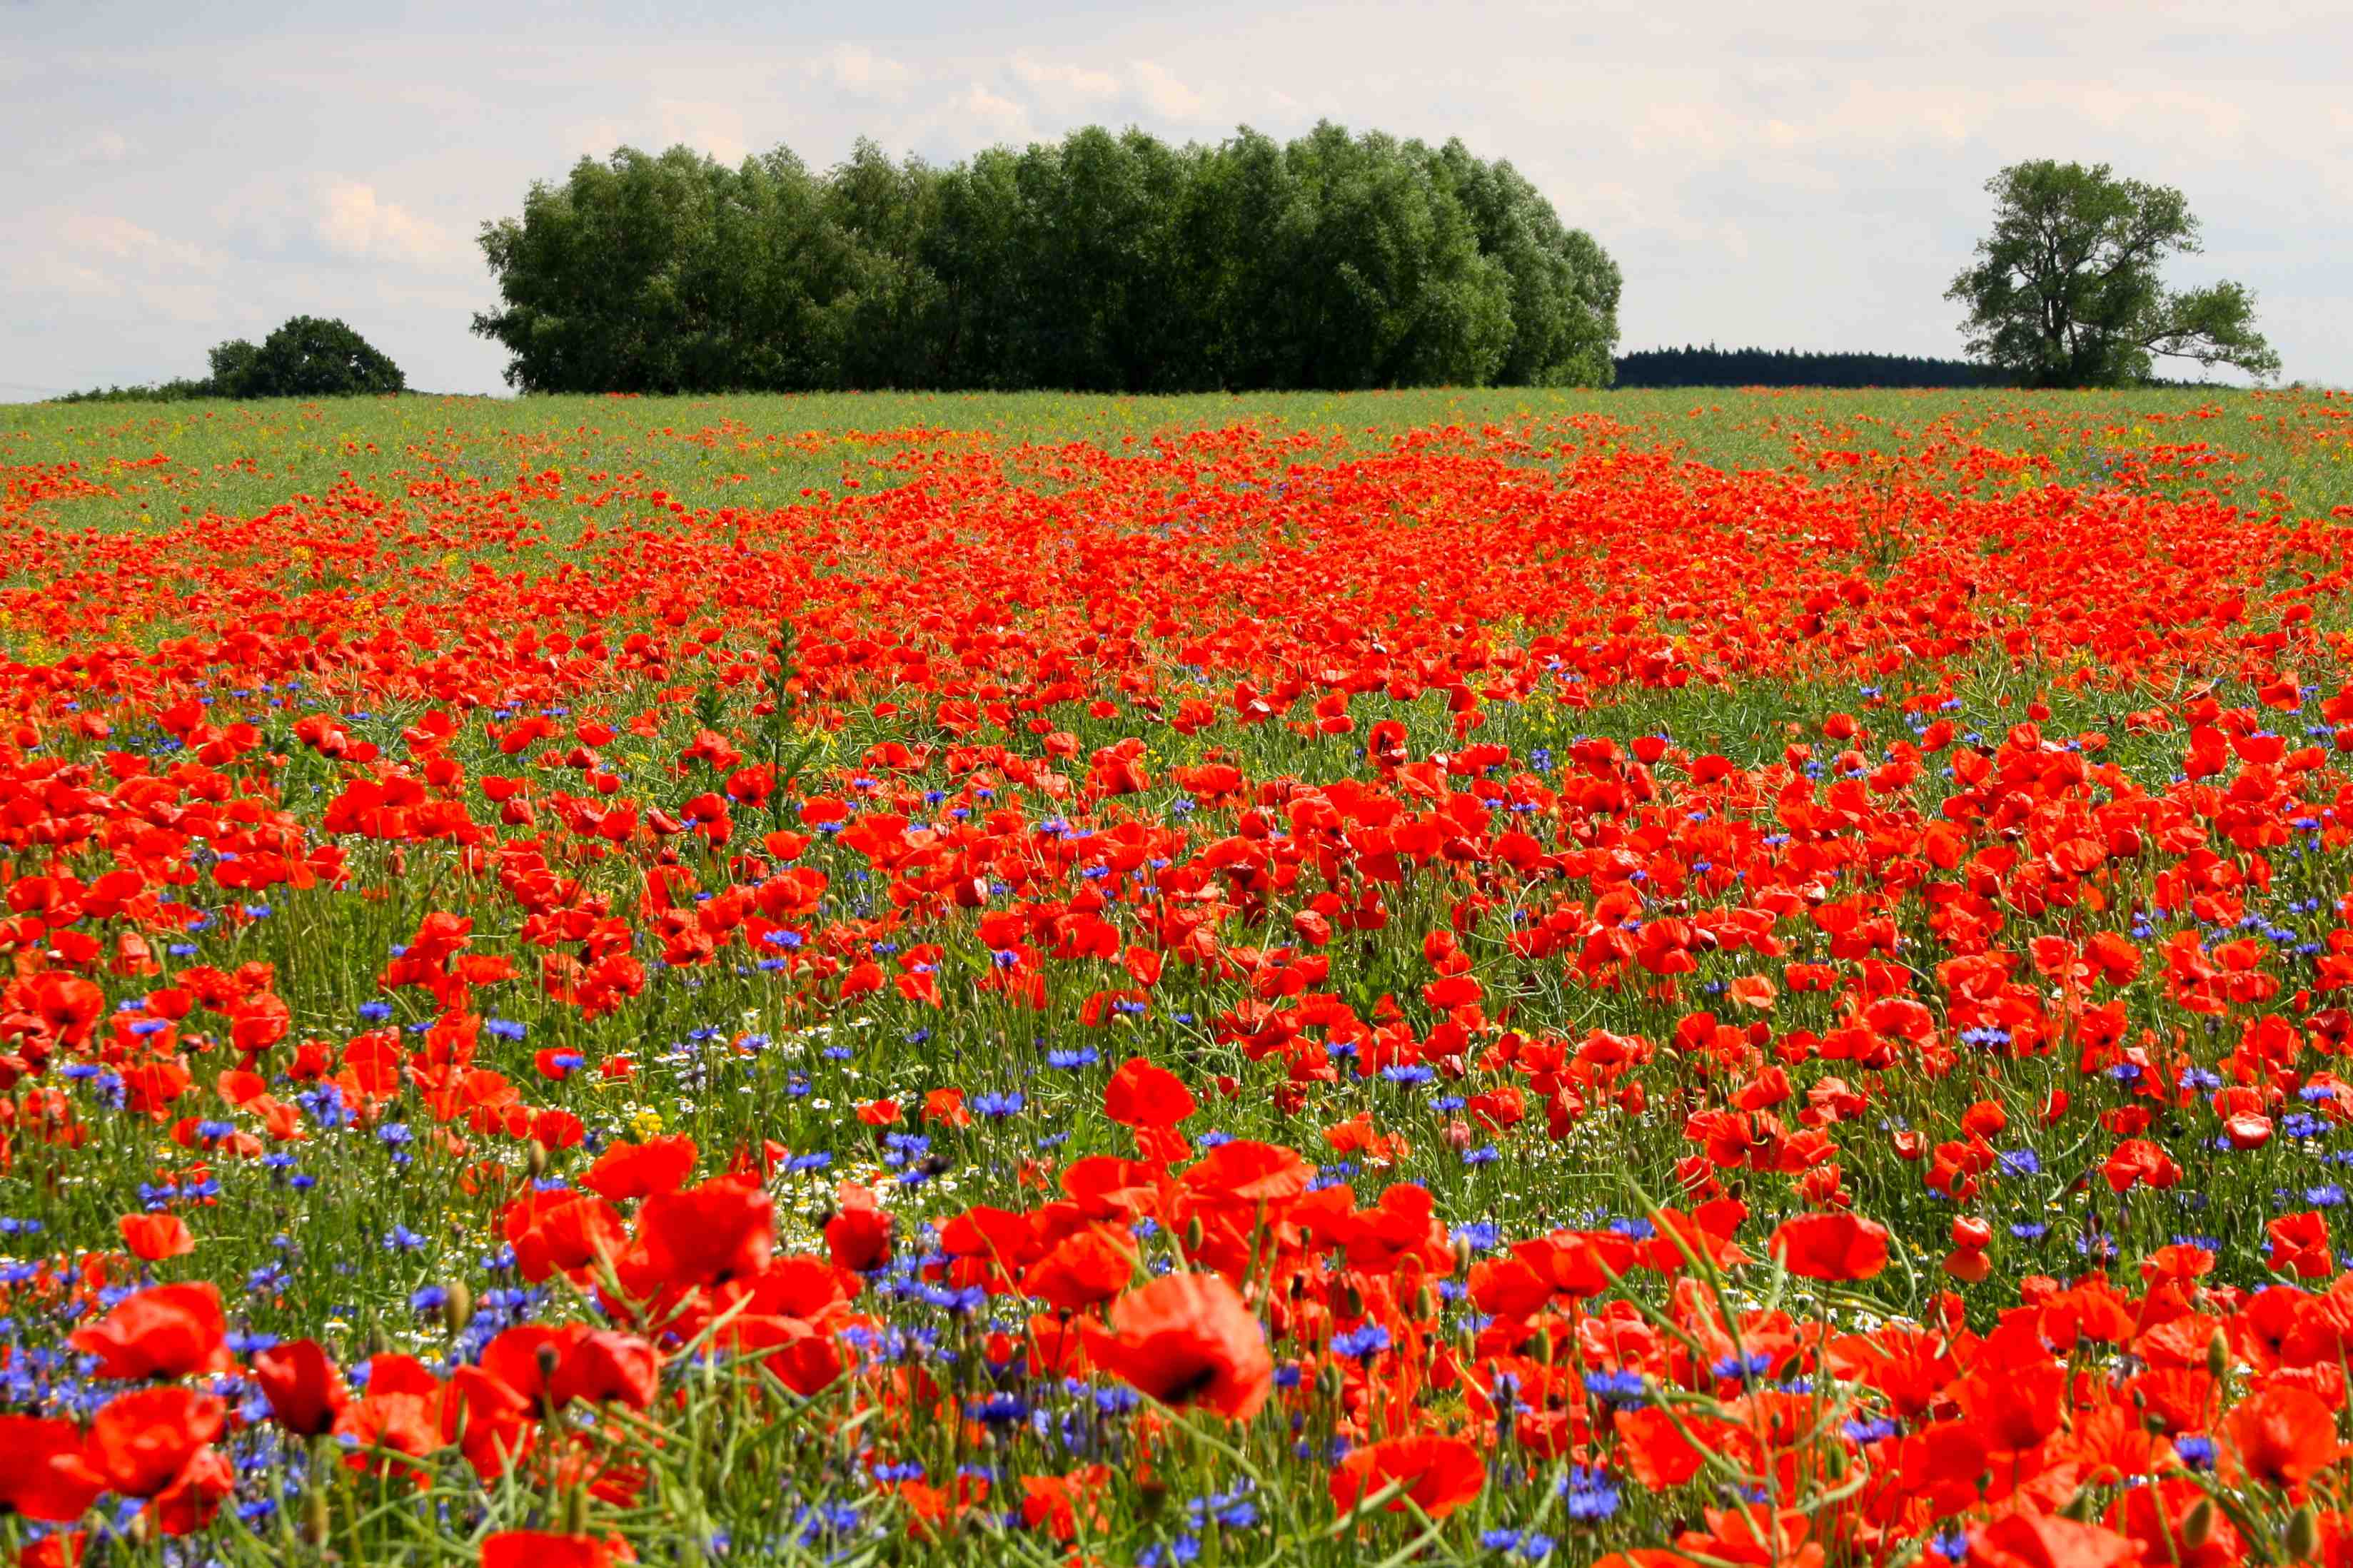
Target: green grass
[{"x": 237, "y": 459}]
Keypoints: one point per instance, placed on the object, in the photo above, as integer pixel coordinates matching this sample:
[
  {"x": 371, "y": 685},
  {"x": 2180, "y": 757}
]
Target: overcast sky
[{"x": 1791, "y": 175}]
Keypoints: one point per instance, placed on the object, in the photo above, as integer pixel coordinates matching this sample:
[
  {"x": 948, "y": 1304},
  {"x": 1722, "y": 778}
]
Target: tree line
[
  {"x": 309, "y": 356},
  {"x": 1121, "y": 264},
  {"x": 1713, "y": 366},
  {"x": 1102, "y": 262}
]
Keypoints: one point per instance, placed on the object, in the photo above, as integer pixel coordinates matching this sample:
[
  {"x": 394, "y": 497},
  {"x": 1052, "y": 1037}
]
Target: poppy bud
[
  {"x": 458, "y": 1305},
  {"x": 2303, "y": 1537},
  {"x": 2198, "y": 1524},
  {"x": 1967, "y": 1265},
  {"x": 1193, "y": 1235},
  {"x": 2079, "y": 1507},
  {"x": 538, "y": 1160},
  {"x": 1462, "y": 1255},
  {"x": 2218, "y": 1356},
  {"x": 1352, "y": 1304},
  {"x": 1425, "y": 1304},
  {"x": 1330, "y": 1381}
]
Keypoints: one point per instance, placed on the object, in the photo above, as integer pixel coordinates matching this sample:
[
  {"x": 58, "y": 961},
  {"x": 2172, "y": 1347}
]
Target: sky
[{"x": 1794, "y": 174}]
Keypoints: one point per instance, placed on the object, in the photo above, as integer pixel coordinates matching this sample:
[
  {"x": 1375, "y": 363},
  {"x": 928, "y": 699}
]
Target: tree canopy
[
  {"x": 1713, "y": 366},
  {"x": 2065, "y": 290},
  {"x": 1104, "y": 262},
  {"x": 310, "y": 356}
]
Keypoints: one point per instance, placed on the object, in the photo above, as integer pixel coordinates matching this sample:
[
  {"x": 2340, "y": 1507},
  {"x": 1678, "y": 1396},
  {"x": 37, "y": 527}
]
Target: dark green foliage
[
  {"x": 1104, "y": 262},
  {"x": 181, "y": 390},
  {"x": 2065, "y": 290},
  {"x": 1713, "y": 366},
  {"x": 310, "y": 356}
]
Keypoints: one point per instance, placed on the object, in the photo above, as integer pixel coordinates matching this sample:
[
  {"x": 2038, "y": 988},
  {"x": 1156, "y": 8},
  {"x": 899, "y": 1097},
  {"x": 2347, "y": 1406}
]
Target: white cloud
[
  {"x": 117, "y": 239},
  {"x": 1001, "y": 119},
  {"x": 1164, "y": 94},
  {"x": 99, "y": 266},
  {"x": 712, "y": 128},
  {"x": 857, "y": 69},
  {"x": 352, "y": 221},
  {"x": 106, "y": 147},
  {"x": 1062, "y": 83}
]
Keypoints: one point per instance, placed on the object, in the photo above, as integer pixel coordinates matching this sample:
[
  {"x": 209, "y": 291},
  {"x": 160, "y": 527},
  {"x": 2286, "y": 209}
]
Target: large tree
[
  {"x": 307, "y": 357},
  {"x": 2065, "y": 291},
  {"x": 1101, "y": 262}
]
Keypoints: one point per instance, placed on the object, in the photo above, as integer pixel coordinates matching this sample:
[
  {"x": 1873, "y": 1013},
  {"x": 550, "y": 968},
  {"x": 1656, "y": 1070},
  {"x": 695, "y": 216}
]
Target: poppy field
[{"x": 1668, "y": 980}]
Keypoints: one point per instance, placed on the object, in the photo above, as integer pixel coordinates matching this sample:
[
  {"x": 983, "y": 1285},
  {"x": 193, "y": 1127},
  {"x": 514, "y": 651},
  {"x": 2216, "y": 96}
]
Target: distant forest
[
  {"x": 1713, "y": 366},
  {"x": 1098, "y": 263}
]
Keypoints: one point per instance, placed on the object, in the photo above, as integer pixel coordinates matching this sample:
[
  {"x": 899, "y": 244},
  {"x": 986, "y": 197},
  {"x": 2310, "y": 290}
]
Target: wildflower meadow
[{"x": 1668, "y": 980}]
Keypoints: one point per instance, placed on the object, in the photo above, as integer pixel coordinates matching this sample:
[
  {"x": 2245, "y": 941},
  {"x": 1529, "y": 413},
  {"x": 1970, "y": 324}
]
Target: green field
[{"x": 239, "y": 460}]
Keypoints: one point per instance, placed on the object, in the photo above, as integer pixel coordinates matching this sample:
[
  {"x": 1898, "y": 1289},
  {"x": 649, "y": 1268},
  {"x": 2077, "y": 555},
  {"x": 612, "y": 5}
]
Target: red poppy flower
[
  {"x": 2284, "y": 1436},
  {"x": 155, "y": 1236},
  {"x": 1244, "y": 1172},
  {"x": 603, "y": 1365},
  {"x": 67, "y": 1549},
  {"x": 561, "y": 1232},
  {"x": 719, "y": 1230},
  {"x": 1439, "y": 1475},
  {"x": 2047, "y": 1541},
  {"x": 1836, "y": 1247},
  {"x": 30, "y": 1484},
  {"x": 303, "y": 1385},
  {"x": 544, "y": 1549},
  {"x": 493, "y": 1423},
  {"x": 1143, "y": 1095},
  {"x": 630, "y": 1171},
  {"x": 139, "y": 1442},
  {"x": 170, "y": 1330},
  {"x": 857, "y": 1239},
  {"x": 1084, "y": 1269},
  {"x": 196, "y": 1494},
  {"x": 1188, "y": 1340}
]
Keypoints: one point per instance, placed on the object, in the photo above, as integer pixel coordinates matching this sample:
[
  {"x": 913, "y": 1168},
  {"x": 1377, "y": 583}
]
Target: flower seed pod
[{"x": 2303, "y": 1537}]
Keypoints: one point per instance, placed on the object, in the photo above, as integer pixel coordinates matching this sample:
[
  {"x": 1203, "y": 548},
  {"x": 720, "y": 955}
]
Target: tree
[
  {"x": 232, "y": 367},
  {"x": 307, "y": 357},
  {"x": 2065, "y": 290},
  {"x": 1102, "y": 263}
]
